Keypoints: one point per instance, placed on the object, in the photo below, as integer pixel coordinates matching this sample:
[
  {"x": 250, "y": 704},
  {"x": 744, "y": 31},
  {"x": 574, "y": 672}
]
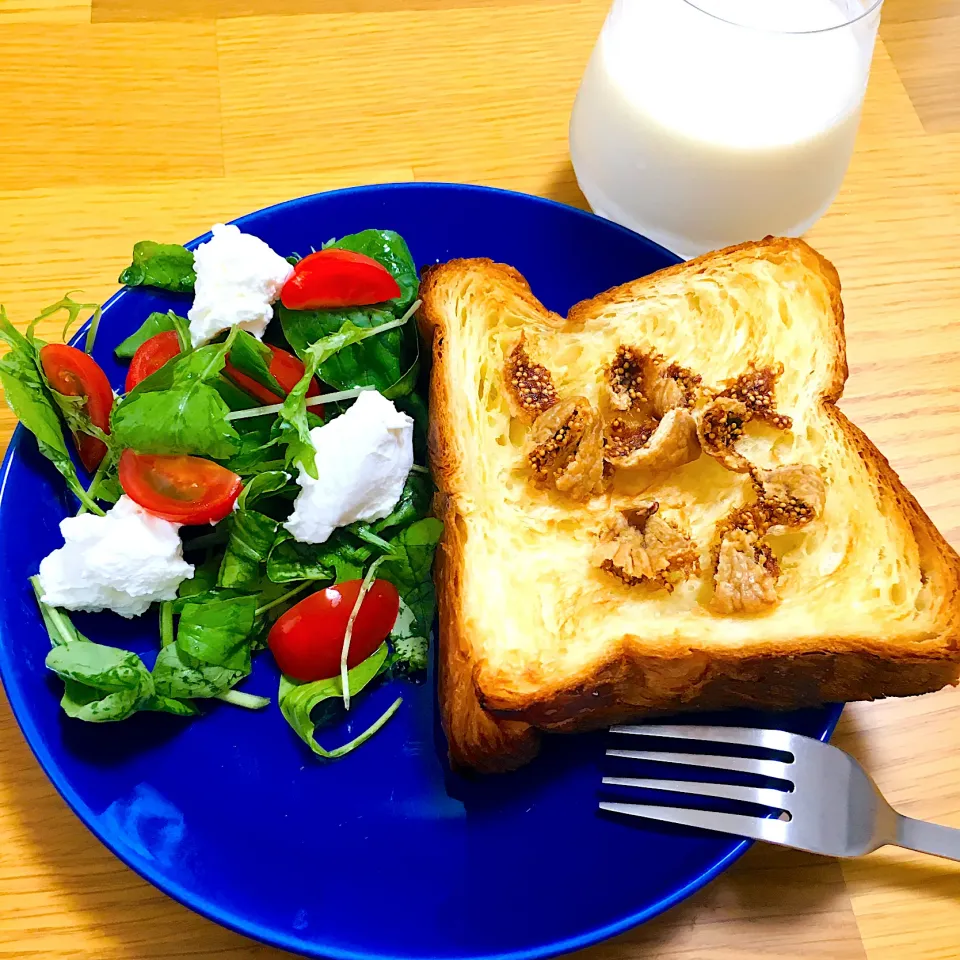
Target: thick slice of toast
[{"x": 655, "y": 505}]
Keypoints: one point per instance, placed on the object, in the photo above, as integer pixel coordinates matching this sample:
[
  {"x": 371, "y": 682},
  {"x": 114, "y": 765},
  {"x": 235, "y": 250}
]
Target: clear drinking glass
[{"x": 702, "y": 123}]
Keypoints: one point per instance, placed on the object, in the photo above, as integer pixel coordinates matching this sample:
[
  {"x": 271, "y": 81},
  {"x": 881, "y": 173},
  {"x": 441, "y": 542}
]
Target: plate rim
[{"x": 209, "y": 909}]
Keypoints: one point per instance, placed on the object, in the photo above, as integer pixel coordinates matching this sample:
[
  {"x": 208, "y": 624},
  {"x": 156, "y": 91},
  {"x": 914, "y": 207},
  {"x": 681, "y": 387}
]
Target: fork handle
[{"x": 928, "y": 837}]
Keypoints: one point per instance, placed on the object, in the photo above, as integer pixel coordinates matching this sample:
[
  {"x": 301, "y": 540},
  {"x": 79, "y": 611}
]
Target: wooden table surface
[{"x": 130, "y": 119}]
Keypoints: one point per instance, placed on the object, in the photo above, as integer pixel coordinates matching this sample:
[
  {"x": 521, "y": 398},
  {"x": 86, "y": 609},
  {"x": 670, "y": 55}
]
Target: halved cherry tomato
[
  {"x": 182, "y": 489},
  {"x": 75, "y": 374},
  {"x": 151, "y": 355},
  {"x": 286, "y": 368},
  {"x": 307, "y": 641},
  {"x": 338, "y": 278}
]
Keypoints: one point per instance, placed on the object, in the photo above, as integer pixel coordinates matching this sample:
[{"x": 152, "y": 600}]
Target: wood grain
[{"x": 124, "y": 119}]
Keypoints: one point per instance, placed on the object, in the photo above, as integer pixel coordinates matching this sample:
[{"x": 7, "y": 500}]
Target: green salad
[{"x": 260, "y": 484}]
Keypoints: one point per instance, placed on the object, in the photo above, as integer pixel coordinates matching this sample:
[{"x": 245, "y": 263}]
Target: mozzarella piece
[
  {"x": 238, "y": 278},
  {"x": 363, "y": 458},
  {"x": 122, "y": 562}
]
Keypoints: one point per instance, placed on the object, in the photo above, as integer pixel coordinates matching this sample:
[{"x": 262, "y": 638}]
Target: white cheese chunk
[
  {"x": 122, "y": 562},
  {"x": 238, "y": 278},
  {"x": 363, "y": 458}
]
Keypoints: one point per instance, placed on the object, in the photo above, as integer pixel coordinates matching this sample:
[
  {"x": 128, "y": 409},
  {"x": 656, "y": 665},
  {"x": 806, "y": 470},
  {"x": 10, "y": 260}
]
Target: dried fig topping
[
  {"x": 565, "y": 448},
  {"x": 790, "y": 496},
  {"x": 529, "y": 385},
  {"x": 625, "y": 377},
  {"x": 747, "y": 572},
  {"x": 639, "y": 547},
  {"x": 654, "y": 446},
  {"x": 671, "y": 387},
  {"x": 754, "y": 389},
  {"x": 719, "y": 427}
]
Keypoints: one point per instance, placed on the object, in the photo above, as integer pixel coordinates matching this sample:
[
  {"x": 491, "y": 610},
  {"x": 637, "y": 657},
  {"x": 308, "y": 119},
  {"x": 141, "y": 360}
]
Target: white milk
[{"x": 699, "y": 133}]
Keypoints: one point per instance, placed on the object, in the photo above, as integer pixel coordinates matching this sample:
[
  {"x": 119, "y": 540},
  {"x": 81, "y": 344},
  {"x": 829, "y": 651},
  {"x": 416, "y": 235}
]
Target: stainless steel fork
[{"x": 828, "y": 803}]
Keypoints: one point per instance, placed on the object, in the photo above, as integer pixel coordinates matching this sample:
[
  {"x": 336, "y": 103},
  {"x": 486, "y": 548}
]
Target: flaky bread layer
[{"x": 533, "y": 634}]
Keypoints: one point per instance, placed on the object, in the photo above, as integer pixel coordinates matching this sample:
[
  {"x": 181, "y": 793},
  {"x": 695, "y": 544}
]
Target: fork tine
[
  {"x": 728, "y": 791},
  {"x": 751, "y": 736},
  {"x": 765, "y": 768},
  {"x": 773, "y": 831}
]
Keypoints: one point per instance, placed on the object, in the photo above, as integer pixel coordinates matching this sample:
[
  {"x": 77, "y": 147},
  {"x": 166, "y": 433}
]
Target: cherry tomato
[
  {"x": 75, "y": 374},
  {"x": 151, "y": 355},
  {"x": 307, "y": 641},
  {"x": 286, "y": 368},
  {"x": 338, "y": 278},
  {"x": 187, "y": 490}
]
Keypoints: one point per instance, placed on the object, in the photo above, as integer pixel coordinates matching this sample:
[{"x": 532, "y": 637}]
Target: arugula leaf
[
  {"x": 337, "y": 559},
  {"x": 73, "y": 309},
  {"x": 262, "y": 485},
  {"x": 408, "y": 569},
  {"x": 298, "y": 701},
  {"x": 217, "y": 632},
  {"x": 414, "y": 502},
  {"x": 177, "y": 410},
  {"x": 28, "y": 397},
  {"x": 292, "y": 426},
  {"x": 154, "y": 324},
  {"x": 390, "y": 249},
  {"x": 251, "y": 357},
  {"x": 167, "y": 266},
  {"x": 257, "y": 451},
  {"x": 410, "y": 648}
]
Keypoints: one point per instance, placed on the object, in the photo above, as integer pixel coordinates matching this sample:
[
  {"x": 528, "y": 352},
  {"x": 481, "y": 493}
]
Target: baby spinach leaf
[
  {"x": 251, "y": 357},
  {"x": 414, "y": 502},
  {"x": 338, "y": 559},
  {"x": 413, "y": 405},
  {"x": 178, "y": 675},
  {"x": 390, "y": 249},
  {"x": 406, "y": 383},
  {"x": 204, "y": 577},
  {"x": 251, "y": 538},
  {"x": 177, "y": 410},
  {"x": 236, "y": 398},
  {"x": 218, "y": 631},
  {"x": 167, "y": 266},
  {"x": 30, "y": 400},
  {"x": 357, "y": 362},
  {"x": 293, "y": 419},
  {"x": 409, "y": 647},
  {"x": 101, "y": 683},
  {"x": 154, "y": 324},
  {"x": 59, "y": 626},
  {"x": 299, "y": 700},
  {"x": 408, "y": 569}
]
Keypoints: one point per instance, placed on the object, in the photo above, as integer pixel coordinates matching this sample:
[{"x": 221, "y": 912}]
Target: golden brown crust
[
  {"x": 490, "y": 722},
  {"x": 475, "y": 737}
]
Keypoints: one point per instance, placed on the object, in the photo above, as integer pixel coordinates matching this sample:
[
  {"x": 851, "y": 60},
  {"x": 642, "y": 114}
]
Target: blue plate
[{"x": 385, "y": 853}]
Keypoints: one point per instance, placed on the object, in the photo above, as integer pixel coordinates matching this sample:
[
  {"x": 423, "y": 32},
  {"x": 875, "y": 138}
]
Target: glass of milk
[{"x": 702, "y": 123}]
